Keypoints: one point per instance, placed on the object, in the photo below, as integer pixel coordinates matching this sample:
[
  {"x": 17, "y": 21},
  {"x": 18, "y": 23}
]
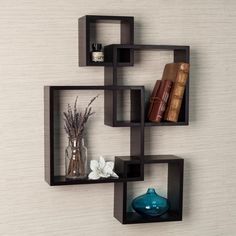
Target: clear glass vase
[{"x": 76, "y": 159}]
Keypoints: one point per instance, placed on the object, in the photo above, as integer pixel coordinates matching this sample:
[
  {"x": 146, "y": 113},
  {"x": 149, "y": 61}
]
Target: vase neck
[
  {"x": 76, "y": 142},
  {"x": 151, "y": 190}
]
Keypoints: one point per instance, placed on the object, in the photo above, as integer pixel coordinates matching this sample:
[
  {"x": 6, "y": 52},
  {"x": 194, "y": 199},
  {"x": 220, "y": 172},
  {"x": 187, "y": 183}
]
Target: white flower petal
[
  {"x": 93, "y": 175},
  {"x": 102, "y": 169},
  {"x": 113, "y": 174},
  {"x": 110, "y": 164},
  {"x": 104, "y": 175},
  {"x": 101, "y": 162},
  {"x": 94, "y": 165},
  {"x": 107, "y": 169}
]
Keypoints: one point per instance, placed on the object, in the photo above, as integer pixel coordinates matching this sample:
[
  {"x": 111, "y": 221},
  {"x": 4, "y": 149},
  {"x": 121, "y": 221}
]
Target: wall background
[{"x": 38, "y": 46}]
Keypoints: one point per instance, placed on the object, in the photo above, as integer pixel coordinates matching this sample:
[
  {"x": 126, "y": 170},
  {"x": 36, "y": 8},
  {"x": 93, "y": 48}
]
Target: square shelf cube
[
  {"x": 53, "y": 126},
  {"x": 125, "y": 53},
  {"x": 129, "y": 167},
  {"x": 87, "y": 36},
  {"x": 174, "y": 193}
]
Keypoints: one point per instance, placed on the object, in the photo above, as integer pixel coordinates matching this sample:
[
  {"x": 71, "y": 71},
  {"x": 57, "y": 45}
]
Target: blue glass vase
[{"x": 150, "y": 204}]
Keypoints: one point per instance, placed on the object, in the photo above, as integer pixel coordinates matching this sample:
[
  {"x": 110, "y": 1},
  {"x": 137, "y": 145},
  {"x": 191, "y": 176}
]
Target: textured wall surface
[{"x": 38, "y": 46}]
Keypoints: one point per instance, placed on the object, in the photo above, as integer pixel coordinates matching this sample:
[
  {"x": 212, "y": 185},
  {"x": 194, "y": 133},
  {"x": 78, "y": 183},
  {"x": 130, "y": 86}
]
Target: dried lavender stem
[{"x": 74, "y": 125}]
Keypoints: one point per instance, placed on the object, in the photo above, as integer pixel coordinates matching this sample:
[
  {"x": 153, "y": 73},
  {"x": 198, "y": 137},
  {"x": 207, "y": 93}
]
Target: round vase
[{"x": 150, "y": 204}]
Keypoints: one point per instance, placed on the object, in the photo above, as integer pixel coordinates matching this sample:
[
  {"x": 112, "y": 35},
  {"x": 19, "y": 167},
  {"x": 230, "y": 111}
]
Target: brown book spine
[
  {"x": 154, "y": 92},
  {"x": 159, "y": 99},
  {"x": 177, "y": 92}
]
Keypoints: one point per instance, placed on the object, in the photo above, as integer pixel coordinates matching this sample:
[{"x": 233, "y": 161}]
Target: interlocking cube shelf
[
  {"x": 174, "y": 193},
  {"x": 129, "y": 168},
  {"x": 126, "y": 171},
  {"x": 122, "y": 54},
  {"x": 180, "y": 54},
  {"x": 86, "y": 40}
]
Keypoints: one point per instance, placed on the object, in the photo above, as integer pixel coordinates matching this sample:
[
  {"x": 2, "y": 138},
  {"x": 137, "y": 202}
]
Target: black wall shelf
[
  {"x": 129, "y": 168},
  {"x": 180, "y": 54},
  {"x": 175, "y": 193},
  {"x": 123, "y": 54},
  {"x": 86, "y": 40},
  {"x": 136, "y": 134}
]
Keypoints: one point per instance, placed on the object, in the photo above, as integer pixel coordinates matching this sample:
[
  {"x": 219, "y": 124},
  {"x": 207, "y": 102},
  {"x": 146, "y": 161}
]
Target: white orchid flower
[{"x": 101, "y": 169}]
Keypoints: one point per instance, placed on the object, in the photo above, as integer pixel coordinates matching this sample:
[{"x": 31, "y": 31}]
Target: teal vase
[{"x": 150, "y": 204}]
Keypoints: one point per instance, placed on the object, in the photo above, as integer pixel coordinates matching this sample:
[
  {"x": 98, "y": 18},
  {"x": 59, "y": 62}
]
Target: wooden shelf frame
[
  {"x": 136, "y": 133},
  {"x": 85, "y": 41},
  {"x": 129, "y": 168},
  {"x": 174, "y": 193},
  {"x": 180, "y": 54},
  {"x": 123, "y": 54}
]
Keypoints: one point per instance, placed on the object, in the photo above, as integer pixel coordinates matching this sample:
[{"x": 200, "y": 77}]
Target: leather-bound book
[
  {"x": 159, "y": 99},
  {"x": 178, "y": 73}
]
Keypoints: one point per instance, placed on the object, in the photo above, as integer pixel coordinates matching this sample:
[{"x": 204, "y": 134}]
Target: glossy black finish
[
  {"x": 174, "y": 195},
  {"x": 110, "y": 115}
]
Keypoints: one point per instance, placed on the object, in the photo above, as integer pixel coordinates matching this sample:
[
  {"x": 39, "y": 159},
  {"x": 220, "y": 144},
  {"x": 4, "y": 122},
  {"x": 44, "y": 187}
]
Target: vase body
[
  {"x": 76, "y": 159},
  {"x": 150, "y": 204}
]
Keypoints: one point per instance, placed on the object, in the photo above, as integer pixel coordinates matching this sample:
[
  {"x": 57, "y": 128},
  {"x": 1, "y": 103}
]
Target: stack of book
[{"x": 167, "y": 95}]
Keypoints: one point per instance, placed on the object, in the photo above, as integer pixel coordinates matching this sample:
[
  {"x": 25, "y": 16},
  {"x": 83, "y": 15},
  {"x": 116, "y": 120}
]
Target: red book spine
[{"x": 159, "y": 99}]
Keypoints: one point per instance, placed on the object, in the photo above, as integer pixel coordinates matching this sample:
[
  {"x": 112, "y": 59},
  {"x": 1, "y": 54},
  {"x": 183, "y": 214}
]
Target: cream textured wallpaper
[{"x": 39, "y": 46}]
